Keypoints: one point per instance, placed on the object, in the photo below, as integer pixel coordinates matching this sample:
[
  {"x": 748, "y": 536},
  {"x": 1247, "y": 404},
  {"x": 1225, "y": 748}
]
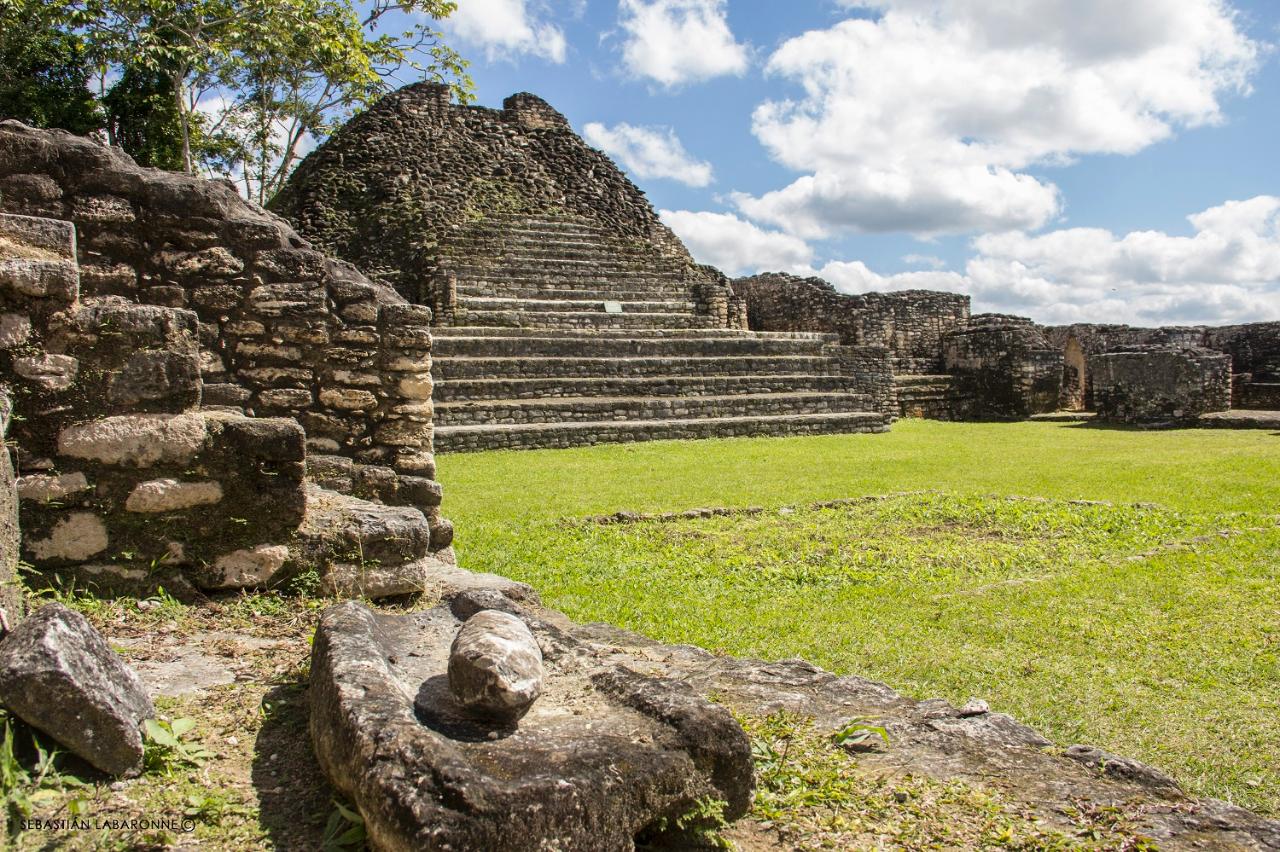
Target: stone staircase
[
  {"x": 560, "y": 335},
  {"x": 559, "y": 272}
]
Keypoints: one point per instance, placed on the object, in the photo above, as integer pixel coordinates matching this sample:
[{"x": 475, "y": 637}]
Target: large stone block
[
  {"x": 58, "y": 674},
  {"x": 603, "y": 757}
]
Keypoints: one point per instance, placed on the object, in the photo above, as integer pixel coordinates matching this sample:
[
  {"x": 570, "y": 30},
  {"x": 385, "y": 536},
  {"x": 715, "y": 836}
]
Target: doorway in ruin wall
[{"x": 1072, "y": 397}]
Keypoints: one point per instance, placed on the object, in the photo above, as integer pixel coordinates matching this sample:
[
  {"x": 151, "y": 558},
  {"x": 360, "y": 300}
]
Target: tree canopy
[{"x": 229, "y": 87}]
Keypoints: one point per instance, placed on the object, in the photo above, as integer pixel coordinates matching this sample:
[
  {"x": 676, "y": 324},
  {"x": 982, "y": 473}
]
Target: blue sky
[{"x": 1105, "y": 160}]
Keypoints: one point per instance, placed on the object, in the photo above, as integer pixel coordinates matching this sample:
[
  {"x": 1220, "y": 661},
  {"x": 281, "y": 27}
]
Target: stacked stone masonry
[
  {"x": 1161, "y": 384},
  {"x": 179, "y": 360},
  {"x": 565, "y": 312},
  {"x": 1254, "y": 349},
  {"x": 910, "y": 323},
  {"x": 1004, "y": 368}
]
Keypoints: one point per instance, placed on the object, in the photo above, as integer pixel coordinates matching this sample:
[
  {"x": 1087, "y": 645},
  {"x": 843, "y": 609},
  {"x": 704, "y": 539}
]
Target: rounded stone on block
[{"x": 495, "y": 666}]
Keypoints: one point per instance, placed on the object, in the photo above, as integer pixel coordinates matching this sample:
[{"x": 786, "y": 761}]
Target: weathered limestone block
[
  {"x": 45, "y": 488},
  {"x": 286, "y": 398},
  {"x": 348, "y": 399},
  {"x": 51, "y": 372},
  {"x": 58, "y": 674},
  {"x": 495, "y": 666},
  {"x": 138, "y": 440},
  {"x": 170, "y": 495},
  {"x": 15, "y": 330},
  {"x": 75, "y": 538},
  {"x": 248, "y": 568},
  {"x": 342, "y": 529}
]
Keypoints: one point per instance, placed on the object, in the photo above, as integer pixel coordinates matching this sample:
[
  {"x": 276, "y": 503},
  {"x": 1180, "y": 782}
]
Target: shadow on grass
[{"x": 294, "y": 798}]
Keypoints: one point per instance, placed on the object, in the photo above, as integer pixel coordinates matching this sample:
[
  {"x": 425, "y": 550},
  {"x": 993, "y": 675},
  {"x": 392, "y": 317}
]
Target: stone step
[
  {"x": 590, "y": 278},
  {"x": 580, "y": 319},
  {"x": 504, "y": 303},
  {"x": 456, "y": 439},
  {"x": 542, "y": 251},
  {"x": 338, "y": 528},
  {"x": 639, "y": 408},
  {"x": 666, "y": 333},
  {"x": 506, "y": 222},
  {"x": 618, "y": 347},
  {"x": 606, "y": 262},
  {"x": 472, "y": 290},
  {"x": 463, "y": 390},
  {"x": 464, "y": 367}
]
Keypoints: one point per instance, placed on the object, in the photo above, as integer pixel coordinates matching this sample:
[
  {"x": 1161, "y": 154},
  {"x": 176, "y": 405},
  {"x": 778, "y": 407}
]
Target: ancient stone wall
[
  {"x": 910, "y": 323},
  {"x": 399, "y": 180},
  {"x": 1161, "y": 384},
  {"x": 283, "y": 330},
  {"x": 168, "y": 443},
  {"x": 10, "y": 592},
  {"x": 1254, "y": 349},
  {"x": 1004, "y": 367}
]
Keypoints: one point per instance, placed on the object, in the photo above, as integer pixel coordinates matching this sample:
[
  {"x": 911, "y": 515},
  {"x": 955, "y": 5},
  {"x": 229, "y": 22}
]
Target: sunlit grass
[{"x": 1134, "y": 627}]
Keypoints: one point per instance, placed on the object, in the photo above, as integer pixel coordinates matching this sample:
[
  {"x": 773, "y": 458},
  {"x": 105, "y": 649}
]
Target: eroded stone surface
[
  {"x": 602, "y": 756},
  {"x": 44, "y": 488},
  {"x": 495, "y": 666},
  {"x": 140, "y": 440},
  {"x": 51, "y": 372},
  {"x": 75, "y": 538},
  {"x": 58, "y": 674},
  {"x": 170, "y": 495},
  {"x": 248, "y": 568}
]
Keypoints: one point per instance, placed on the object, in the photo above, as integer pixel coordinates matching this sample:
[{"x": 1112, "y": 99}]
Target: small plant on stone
[
  {"x": 165, "y": 749},
  {"x": 345, "y": 830},
  {"x": 858, "y": 734}
]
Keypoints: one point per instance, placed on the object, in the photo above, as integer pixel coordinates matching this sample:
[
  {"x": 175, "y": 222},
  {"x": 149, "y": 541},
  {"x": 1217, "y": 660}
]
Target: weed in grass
[
  {"x": 166, "y": 748},
  {"x": 344, "y": 832}
]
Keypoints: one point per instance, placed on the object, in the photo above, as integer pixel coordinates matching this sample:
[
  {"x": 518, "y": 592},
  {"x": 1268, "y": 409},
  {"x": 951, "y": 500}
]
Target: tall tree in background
[
  {"x": 44, "y": 70},
  {"x": 236, "y": 87}
]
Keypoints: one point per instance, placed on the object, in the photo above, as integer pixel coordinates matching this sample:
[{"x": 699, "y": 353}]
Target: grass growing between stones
[{"x": 1149, "y": 630}]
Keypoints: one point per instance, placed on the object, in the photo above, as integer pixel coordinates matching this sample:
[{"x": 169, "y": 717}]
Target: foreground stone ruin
[
  {"x": 604, "y": 756},
  {"x": 202, "y": 401}
]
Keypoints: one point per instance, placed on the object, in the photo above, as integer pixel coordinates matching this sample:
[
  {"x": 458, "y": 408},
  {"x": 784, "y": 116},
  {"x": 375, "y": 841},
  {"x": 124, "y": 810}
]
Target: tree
[
  {"x": 248, "y": 81},
  {"x": 44, "y": 71}
]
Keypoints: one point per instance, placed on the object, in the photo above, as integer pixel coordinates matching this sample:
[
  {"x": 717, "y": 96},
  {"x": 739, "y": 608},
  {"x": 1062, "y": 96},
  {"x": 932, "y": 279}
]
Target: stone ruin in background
[{"x": 949, "y": 365}]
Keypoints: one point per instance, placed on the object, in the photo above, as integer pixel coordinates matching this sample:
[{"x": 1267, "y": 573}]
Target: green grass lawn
[{"x": 1143, "y": 629}]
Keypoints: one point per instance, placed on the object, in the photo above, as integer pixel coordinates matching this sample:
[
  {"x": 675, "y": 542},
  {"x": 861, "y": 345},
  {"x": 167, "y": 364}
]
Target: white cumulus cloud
[
  {"x": 673, "y": 42},
  {"x": 504, "y": 29},
  {"x": 649, "y": 152},
  {"x": 736, "y": 246},
  {"x": 1227, "y": 271},
  {"x": 929, "y": 118}
]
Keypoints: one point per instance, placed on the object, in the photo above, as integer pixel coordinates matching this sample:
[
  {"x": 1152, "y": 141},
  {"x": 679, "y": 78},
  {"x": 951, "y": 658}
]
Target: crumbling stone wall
[
  {"x": 1254, "y": 349},
  {"x": 401, "y": 178},
  {"x": 10, "y": 591},
  {"x": 282, "y": 329},
  {"x": 910, "y": 323},
  {"x": 1004, "y": 367},
  {"x": 1255, "y": 355},
  {"x": 1161, "y": 384},
  {"x": 146, "y": 350}
]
